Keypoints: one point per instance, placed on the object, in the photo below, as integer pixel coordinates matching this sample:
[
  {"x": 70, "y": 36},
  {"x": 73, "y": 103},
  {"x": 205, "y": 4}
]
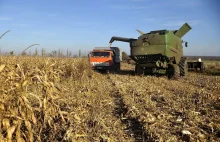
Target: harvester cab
[{"x": 159, "y": 51}]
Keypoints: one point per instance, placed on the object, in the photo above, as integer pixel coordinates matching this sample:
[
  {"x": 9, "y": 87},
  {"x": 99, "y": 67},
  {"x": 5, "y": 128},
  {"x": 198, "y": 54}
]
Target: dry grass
[
  {"x": 52, "y": 99},
  {"x": 58, "y": 99},
  {"x": 212, "y": 67}
]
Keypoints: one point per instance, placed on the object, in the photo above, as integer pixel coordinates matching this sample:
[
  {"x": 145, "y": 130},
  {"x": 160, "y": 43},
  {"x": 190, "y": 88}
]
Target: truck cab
[{"x": 104, "y": 59}]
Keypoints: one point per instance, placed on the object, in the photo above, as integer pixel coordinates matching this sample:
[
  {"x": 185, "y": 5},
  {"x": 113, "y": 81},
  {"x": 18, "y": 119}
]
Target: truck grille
[{"x": 100, "y": 63}]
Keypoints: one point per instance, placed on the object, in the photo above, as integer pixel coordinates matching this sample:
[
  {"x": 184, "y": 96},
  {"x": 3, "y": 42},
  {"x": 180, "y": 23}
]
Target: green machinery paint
[{"x": 158, "y": 51}]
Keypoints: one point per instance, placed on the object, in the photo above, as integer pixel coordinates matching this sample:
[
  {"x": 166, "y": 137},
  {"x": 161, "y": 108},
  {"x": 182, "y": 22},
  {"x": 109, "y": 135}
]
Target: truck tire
[
  {"x": 107, "y": 71},
  {"x": 183, "y": 67},
  {"x": 117, "y": 67}
]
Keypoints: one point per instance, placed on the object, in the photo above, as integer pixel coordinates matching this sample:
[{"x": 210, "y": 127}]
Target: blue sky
[{"x": 85, "y": 24}]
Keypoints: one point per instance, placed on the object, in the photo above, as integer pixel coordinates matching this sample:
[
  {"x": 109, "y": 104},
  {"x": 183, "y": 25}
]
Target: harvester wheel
[
  {"x": 173, "y": 71},
  {"x": 183, "y": 67},
  {"x": 176, "y": 71},
  {"x": 138, "y": 70}
]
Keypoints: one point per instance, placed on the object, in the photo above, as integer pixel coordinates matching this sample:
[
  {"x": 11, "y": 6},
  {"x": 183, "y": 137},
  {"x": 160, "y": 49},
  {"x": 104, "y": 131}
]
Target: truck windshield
[{"x": 100, "y": 54}]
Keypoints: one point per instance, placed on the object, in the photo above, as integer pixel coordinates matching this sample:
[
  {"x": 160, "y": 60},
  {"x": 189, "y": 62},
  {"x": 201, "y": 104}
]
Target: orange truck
[{"x": 106, "y": 59}]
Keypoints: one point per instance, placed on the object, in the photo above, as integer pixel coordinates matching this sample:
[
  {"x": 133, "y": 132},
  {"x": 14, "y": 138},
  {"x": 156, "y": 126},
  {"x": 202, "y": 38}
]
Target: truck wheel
[
  {"x": 183, "y": 66},
  {"x": 118, "y": 67},
  {"x": 107, "y": 71},
  {"x": 173, "y": 71}
]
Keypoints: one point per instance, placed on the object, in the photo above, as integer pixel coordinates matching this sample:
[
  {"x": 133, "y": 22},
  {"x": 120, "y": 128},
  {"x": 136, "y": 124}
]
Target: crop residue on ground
[{"x": 62, "y": 99}]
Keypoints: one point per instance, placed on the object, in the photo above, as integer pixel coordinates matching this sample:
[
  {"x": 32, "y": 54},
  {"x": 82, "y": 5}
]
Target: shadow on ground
[
  {"x": 131, "y": 72},
  {"x": 126, "y": 72},
  {"x": 133, "y": 127}
]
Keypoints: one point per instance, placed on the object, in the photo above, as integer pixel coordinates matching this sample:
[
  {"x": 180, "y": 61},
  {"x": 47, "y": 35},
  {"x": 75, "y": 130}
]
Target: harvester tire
[
  {"x": 173, "y": 71},
  {"x": 138, "y": 70},
  {"x": 183, "y": 66},
  {"x": 176, "y": 71}
]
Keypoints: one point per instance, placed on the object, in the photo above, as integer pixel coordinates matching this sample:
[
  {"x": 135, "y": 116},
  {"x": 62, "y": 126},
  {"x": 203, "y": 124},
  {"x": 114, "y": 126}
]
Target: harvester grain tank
[
  {"x": 159, "y": 52},
  {"x": 106, "y": 58}
]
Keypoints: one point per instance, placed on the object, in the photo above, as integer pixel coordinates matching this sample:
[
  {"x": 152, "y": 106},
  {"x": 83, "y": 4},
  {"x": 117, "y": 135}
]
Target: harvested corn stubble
[{"x": 62, "y": 99}]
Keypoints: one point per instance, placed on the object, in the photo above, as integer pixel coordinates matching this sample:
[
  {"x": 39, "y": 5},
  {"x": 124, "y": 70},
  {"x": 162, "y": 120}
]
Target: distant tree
[
  {"x": 67, "y": 53},
  {"x": 84, "y": 55},
  {"x": 23, "y": 53},
  {"x": 36, "y": 52},
  {"x": 59, "y": 53},
  {"x": 11, "y": 53},
  {"x": 80, "y": 53},
  {"x": 54, "y": 53},
  {"x": 42, "y": 52},
  {"x": 62, "y": 55},
  {"x": 70, "y": 54},
  {"x": 75, "y": 56}
]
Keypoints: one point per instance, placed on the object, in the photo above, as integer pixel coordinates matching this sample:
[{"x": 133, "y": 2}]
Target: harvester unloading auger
[{"x": 158, "y": 52}]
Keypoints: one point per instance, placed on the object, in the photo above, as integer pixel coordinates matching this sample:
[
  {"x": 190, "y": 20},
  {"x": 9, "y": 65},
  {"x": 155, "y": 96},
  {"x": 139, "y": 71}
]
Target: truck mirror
[{"x": 186, "y": 44}]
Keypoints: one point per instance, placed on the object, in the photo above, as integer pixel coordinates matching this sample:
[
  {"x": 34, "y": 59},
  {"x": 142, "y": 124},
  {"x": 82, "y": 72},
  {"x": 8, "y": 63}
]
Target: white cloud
[
  {"x": 137, "y": 0},
  {"x": 51, "y": 34},
  {"x": 124, "y": 7},
  {"x": 52, "y": 15},
  {"x": 6, "y": 18},
  {"x": 180, "y": 23},
  {"x": 141, "y": 0},
  {"x": 38, "y": 33},
  {"x": 113, "y": 31},
  {"x": 150, "y": 19},
  {"x": 21, "y": 25},
  {"x": 191, "y": 3},
  {"x": 178, "y": 3},
  {"x": 194, "y": 22}
]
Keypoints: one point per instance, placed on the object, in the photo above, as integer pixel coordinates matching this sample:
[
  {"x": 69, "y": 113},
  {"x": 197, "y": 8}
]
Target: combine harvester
[
  {"x": 158, "y": 52},
  {"x": 106, "y": 59}
]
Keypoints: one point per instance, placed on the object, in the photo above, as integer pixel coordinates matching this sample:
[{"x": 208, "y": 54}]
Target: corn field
[{"x": 62, "y": 99}]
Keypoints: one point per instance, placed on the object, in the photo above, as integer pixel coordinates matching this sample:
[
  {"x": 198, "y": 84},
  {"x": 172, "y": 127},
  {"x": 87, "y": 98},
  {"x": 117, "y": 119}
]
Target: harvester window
[{"x": 100, "y": 54}]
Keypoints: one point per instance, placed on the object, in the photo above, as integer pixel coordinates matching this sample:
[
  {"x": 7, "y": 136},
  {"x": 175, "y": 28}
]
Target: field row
[
  {"x": 170, "y": 108},
  {"x": 54, "y": 99}
]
